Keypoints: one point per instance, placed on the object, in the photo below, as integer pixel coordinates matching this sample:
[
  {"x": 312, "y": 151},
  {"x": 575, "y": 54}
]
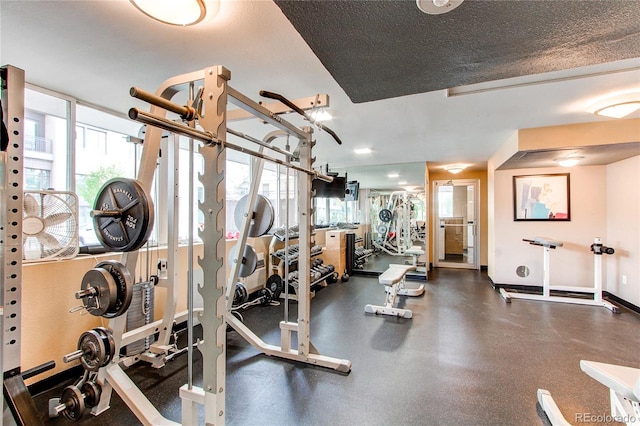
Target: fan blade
[
  {"x": 31, "y": 206},
  {"x": 57, "y": 218},
  {"x": 48, "y": 240}
]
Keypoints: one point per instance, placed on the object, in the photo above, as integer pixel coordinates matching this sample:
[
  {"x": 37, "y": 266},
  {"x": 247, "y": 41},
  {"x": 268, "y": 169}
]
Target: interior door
[{"x": 456, "y": 224}]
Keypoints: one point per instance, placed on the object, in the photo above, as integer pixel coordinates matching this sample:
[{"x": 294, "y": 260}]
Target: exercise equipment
[
  {"x": 624, "y": 394},
  {"x": 393, "y": 222},
  {"x": 262, "y": 218},
  {"x": 247, "y": 263},
  {"x": 394, "y": 281},
  {"x": 106, "y": 290},
  {"x": 74, "y": 399},
  {"x": 595, "y": 299},
  {"x": 96, "y": 348},
  {"x": 123, "y": 215},
  {"x": 210, "y": 132}
]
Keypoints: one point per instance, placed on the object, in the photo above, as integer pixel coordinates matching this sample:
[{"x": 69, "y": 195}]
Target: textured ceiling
[{"x": 384, "y": 49}]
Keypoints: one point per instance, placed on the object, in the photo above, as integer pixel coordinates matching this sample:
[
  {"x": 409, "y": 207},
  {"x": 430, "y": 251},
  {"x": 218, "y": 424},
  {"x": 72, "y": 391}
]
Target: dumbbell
[
  {"x": 73, "y": 401},
  {"x": 95, "y": 349}
]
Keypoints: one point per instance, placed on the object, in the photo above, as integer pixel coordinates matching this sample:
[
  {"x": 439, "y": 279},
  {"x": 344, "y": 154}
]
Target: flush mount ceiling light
[
  {"x": 176, "y": 12},
  {"x": 455, "y": 169},
  {"x": 362, "y": 151},
  {"x": 568, "y": 161},
  {"x": 436, "y": 7},
  {"x": 618, "y": 110},
  {"x": 393, "y": 175}
]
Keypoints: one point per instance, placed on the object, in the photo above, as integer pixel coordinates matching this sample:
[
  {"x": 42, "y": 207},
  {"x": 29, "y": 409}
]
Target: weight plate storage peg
[
  {"x": 385, "y": 215},
  {"x": 262, "y": 218},
  {"x": 123, "y": 215}
]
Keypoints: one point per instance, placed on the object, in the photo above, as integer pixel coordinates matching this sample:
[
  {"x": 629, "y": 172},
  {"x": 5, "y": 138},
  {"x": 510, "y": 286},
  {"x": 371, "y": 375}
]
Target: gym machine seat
[{"x": 394, "y": 279}]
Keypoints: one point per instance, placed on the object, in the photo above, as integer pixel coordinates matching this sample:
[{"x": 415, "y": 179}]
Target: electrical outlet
[{"x": 624, "y": 280}]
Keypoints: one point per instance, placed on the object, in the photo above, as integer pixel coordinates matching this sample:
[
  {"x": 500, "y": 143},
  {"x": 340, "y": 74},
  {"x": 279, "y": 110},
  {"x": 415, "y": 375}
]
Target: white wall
[
  {"x": 623, "y": 229},
  {"x": 570, "y": 265}
]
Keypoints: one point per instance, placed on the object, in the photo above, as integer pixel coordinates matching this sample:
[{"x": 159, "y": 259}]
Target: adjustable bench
[
  {"x": 624, "y": 391},
  {"x": 415, "y": 252},
  {"x": 394, "y": 279}
]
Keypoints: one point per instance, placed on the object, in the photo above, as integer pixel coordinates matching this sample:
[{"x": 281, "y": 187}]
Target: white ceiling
[{"x": 96, "y": 50}]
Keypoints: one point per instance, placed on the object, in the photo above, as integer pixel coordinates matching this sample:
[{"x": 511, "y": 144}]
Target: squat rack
[{"x": 213, "y": 99}]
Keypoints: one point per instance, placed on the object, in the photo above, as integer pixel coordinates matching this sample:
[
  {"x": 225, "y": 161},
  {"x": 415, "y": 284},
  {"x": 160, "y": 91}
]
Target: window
[
  {"x": 37, "y": 179},
  {"x": 46, "y": 142}
]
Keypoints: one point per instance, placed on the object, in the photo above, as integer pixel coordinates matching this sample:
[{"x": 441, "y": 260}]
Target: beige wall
[
  {"x": 623, "y": 229},
  {"x": 570, "y": 265},
  {"x": 484, "y": 228}
]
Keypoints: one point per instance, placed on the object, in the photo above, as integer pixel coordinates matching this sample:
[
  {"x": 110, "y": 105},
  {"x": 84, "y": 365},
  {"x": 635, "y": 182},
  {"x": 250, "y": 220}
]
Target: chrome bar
[
  {"x": 171, "y": 126},
  {"x": 186, "y": 112},
  {"x": 287, "y": 154},
  {"x": 209, "y": 138}
]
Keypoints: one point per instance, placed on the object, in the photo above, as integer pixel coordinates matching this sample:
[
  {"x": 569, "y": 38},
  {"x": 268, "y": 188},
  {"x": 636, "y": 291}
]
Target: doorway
[{"x": 456, "y": 223}]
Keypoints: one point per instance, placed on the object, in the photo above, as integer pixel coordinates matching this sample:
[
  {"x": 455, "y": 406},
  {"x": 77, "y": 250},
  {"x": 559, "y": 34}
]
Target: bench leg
[{"x": 388, "y": 309}]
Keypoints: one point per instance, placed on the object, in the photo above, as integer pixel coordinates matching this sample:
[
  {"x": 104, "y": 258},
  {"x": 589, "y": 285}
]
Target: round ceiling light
[
  {"x": 173, "y": 12},
  {"x": 436, "y": 7}
]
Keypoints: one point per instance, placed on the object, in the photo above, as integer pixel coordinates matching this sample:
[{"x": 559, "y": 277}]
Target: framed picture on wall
[{"x": 541, "y": 197}]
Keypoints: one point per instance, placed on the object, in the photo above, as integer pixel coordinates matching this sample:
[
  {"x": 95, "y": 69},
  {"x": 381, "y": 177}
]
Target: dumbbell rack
[
  {"x": 361, "y": 254},
  {"x": 279, "y": 258}
]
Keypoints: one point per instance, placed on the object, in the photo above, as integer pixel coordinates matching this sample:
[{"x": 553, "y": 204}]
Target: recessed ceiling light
[
  {"x": 177, "y": 12},
  {"x": 393, "y": 175},
  {"x": 618, "y": 110},
  {"x": 362, "y": 151}
]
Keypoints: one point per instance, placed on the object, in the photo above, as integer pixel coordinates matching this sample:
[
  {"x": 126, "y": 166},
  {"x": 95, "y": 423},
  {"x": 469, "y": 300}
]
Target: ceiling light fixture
[
  {"x": 436, "y": 7},
  {"x": 619, "y": 110},
  {"x": 568, "y": 161},
  {"x": 363, "y": 151},
  {"x": 393, "y": 175},
  {"x": 177, "y": 12},
  {"x": 455, "y": 169},
  {"x": 402, "y": 182}
]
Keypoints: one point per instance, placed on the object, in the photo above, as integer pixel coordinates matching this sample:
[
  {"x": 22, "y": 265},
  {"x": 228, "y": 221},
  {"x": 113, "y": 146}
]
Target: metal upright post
[{"x": 18, "y": 398}]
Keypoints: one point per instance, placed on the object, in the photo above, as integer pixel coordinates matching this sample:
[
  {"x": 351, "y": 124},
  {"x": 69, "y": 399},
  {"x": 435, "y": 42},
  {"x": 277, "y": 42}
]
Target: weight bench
[
  {"x": 415, "y": 252},
  {"x": 624, "y": 389},
  {"x": 394, "y": 279}
]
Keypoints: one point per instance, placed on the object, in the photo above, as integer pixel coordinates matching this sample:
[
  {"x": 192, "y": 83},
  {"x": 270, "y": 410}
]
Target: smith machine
[{"x": 123, "y": 217}]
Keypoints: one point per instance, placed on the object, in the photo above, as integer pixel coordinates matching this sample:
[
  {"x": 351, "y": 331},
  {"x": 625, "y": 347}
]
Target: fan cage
[{"x": 50, "y": 225}]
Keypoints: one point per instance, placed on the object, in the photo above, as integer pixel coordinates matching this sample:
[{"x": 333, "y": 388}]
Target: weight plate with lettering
[{"x": 123, "y": 215}]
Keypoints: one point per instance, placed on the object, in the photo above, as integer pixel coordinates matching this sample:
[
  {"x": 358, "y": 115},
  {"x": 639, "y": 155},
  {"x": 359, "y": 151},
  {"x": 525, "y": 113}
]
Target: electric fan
[{"x": 49, "y": 225}]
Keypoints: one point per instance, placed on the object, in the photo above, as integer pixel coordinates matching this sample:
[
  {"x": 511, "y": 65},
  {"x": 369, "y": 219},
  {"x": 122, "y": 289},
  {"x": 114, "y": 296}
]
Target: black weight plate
[
  {"x": 130, "y": 229},
  {"x": 106, "y": 292},
  {"x": 275, "y": 285},
  {"x": 385, "y": 215},
  {"x": 248, "y": 262},
  {"x": 91, "y": 391},
  {"x": 74, "y": 402},
  {"x": 263, "y": 215},
  {"x": 240, "y": 295},
  {"x": 93, "y": 350},
  {"x": 109, "y": 343},
  {"x": 124, "y": 286}
]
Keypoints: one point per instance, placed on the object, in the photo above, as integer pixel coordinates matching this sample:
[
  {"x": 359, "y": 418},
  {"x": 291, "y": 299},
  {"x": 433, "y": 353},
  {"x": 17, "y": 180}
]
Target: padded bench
[{"x": 394, "y": 279}]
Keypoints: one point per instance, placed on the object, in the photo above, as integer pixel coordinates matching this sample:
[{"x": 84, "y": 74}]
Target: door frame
[{"x": 436, "y": 222}]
